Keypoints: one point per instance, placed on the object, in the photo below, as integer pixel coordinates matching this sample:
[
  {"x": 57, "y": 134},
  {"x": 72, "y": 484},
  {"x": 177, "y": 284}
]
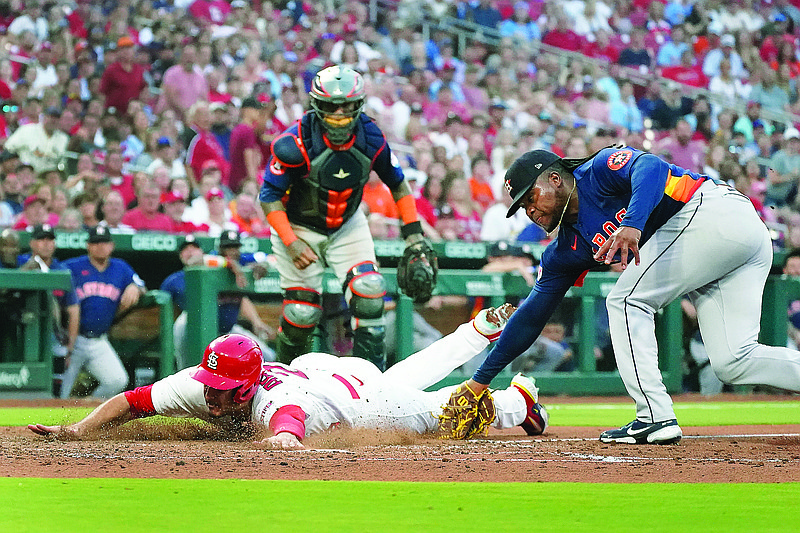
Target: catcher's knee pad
[
  {"x": 364, "y": 289},
  {"x": 302, "y": 310}
]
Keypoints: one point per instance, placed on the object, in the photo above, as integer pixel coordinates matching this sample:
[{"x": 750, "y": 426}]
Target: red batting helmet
[{"x": 231, "y": 361}]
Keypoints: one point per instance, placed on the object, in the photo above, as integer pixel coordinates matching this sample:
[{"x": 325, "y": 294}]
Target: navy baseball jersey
[
  {"x": 227, "y": 306},
  {"x": 64, "y": 298},
  {"x": 326, "y": 185},
  {"x": 617, "y": 187},
  {"x": 98, "y": 292}
]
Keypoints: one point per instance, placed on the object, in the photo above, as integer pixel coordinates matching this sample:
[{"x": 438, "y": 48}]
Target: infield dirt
[{"x": 765, "y": 453}]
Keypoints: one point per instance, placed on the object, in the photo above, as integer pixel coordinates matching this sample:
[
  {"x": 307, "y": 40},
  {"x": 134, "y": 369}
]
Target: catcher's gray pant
[
  {"x": 350, "y": 245},
  {"x": 99, "y": 359},
  {"x": 718, "y": 251}
]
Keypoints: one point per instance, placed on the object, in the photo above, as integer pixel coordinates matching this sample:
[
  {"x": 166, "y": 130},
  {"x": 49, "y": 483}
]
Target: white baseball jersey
[{"x": 347, "y": 391}]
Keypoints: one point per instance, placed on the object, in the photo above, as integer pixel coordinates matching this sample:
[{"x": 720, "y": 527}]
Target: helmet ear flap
[{"x": 245, "y": 393}]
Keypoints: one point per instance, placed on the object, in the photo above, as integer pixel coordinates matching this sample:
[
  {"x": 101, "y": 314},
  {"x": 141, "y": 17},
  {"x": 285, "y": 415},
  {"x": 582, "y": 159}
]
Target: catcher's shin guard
[
  {"x": 364, "y": 289},
  {"x": 287, "y": 350},
  {"x": 302, "y": 310},
  {"x": 368, "y": 344}
]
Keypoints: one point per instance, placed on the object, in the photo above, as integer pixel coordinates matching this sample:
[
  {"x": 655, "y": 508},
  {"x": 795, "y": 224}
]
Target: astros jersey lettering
[{"x": 99, "y": 292}]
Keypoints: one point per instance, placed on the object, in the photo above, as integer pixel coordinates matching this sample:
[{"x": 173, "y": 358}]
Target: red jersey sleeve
[
  {"x": 289, "y": 418},
  {"x": 141, "y": 401}
]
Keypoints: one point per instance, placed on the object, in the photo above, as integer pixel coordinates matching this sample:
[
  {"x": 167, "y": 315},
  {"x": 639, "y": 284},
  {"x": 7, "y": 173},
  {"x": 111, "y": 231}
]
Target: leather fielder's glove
[
  {"x": 417, "y": 271},
  {"x": 466, "y": 415}
]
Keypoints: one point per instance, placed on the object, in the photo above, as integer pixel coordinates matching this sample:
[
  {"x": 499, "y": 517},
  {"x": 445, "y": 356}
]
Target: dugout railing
[
  {"x": 26, "y": 332},
  {"x": 204, "y": 284}
]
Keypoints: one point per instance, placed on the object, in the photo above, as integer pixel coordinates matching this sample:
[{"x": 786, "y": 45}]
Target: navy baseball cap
[
  {"x": 523, "y": 173},
  {"x": 99, "y": 234},
  {"x": 43, "y": 231},
  {"x": 189, "y": 240},
  {"x": 229, "y": 238}
]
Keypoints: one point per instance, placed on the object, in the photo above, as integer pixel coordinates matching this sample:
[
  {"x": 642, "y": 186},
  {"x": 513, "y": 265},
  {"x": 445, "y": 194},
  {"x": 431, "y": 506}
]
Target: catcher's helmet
[
  {"x": 334, "y": 88},
  {"x": 231, "y": 361}
]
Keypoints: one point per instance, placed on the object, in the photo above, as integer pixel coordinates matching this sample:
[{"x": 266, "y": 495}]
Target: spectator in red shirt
[
  {"x": 246, "y": 145},
  {"x": 35, "y": 212},
  {"x": 146, "y": 216},
  {"x": 204, "y": 146},
  {"x": 210, "y": 12},
  {"x": 688, "y": 72},
  {"x": 602, "y": 48},
  {"x": 562, "y": 36},
  {"x": 123, "y": 80},
  {"x": 174, "y": 206},
  {"x": 119, "y": 181}
]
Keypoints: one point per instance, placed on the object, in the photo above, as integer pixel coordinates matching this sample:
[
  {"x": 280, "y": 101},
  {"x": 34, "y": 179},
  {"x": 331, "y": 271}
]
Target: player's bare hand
[
  {"x": 60, "y": 432},
  {"x": 259, "y": 271},
  {"x": 130, "y": 297},
  {"x": 265, "y": 331},
  {"x": 283, "y": 441},
  {"x": 625, "y": 239},
  {"x": 301, "y": 253}
]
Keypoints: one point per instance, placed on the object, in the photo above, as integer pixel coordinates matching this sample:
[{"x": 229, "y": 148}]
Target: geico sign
[
  {"x": 71, "y": 240},
  {"x": 154, "y": 241}
]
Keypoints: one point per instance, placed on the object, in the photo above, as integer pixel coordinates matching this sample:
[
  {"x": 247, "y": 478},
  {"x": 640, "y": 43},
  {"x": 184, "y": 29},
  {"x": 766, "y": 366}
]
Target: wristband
[
  {"x": 280, "y": 223},
  {"x": 411, "y": 228}
]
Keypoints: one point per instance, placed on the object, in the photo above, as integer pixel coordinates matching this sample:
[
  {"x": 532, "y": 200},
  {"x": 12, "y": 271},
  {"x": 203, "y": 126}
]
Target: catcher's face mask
[{"x": 337, "y": 97}]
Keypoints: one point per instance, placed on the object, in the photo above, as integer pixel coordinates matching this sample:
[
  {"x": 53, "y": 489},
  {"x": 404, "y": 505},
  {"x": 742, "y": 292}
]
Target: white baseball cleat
[
  {"x": 490, "y": 322},
  {"x": 536, "y": 418}
]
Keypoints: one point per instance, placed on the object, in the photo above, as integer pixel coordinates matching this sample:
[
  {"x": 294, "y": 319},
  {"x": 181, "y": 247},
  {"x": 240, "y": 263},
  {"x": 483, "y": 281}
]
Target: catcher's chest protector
[{"x": 332, "y": 191}]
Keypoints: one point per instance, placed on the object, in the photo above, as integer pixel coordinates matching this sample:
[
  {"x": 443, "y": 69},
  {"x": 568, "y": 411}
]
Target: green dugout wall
[
  {"x": 154, "y": 256},
  {"x": 204, "y": 284}
]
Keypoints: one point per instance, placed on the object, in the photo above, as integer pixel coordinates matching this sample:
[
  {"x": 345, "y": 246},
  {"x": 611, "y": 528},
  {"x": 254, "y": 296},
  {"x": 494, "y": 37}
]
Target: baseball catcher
[{"x": 418, "y": 269}]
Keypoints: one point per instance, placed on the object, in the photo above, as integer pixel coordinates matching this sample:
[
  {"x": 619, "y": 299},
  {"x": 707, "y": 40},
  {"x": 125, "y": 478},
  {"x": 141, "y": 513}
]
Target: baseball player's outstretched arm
[
  {"x": 284, "y": 441},
  {"x": 110, "y": 413}
]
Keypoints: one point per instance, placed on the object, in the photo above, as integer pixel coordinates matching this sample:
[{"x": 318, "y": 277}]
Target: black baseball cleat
[{"x": 638, "y": 432}]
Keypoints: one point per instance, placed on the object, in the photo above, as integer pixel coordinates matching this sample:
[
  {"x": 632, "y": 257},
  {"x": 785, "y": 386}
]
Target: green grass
[
  {"x": 131, "y": 505},
  {"x": 689, "y": 414},
  {"x": 197, "y": 506}
]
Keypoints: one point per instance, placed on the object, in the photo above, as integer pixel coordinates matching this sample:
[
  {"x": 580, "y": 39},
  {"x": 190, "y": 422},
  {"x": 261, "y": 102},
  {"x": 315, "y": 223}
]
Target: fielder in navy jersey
[
  {"x": 105, "y": 287},
  {"x": 687, "y": 235}
]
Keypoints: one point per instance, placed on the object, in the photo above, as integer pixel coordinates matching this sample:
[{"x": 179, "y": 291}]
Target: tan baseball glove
[{"x": 466, "y": 414}]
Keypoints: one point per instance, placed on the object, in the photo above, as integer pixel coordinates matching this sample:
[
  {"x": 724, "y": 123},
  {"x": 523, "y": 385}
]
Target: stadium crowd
[{"x": 155, "y": 115}]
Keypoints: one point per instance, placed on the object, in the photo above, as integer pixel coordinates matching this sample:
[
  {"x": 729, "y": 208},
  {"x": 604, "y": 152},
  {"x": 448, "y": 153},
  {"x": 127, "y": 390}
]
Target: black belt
[{"x": 92, "y": 335}]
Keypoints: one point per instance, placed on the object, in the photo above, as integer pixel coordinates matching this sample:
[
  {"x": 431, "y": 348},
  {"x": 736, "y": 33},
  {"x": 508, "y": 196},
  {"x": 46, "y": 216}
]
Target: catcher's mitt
[
  {"x": 417, "y": 271},
  {"x": 466, "y": 415}
]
